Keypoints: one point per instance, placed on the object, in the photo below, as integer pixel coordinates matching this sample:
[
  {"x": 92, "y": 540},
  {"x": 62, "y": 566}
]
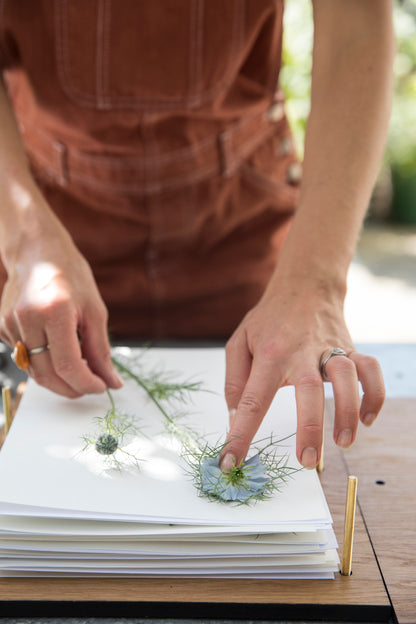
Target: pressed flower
[
  {"x": 255, "y": 479},
  {"x": 242, "y": 482}
]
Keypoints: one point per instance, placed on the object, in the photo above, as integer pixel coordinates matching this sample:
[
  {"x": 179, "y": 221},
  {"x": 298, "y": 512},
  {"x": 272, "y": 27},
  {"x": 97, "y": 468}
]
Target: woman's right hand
[{"x": 50, "y": 297}]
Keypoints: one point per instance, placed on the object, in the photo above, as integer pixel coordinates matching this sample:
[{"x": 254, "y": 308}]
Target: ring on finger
[
  {"x": 21, "y": 354},
  {"x": 325, "y": 357},
  {"x": 37, "y": 350}
]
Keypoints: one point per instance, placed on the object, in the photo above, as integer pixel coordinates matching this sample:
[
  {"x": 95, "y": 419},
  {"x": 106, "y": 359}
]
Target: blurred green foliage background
[{"x": 396, "y": 190}]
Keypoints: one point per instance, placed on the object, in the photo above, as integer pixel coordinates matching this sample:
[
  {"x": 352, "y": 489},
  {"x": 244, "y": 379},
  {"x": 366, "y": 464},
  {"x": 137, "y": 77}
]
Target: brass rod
[
  {"x": 7, "y": 408},
  {"x": 320, "y": 465},
  {"x": 349, "y": 526}
]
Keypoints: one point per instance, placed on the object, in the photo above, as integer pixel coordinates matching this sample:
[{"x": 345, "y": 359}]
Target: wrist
[
  {"x": 315, "y": 279},
  {"x": 26, "y": 224}
]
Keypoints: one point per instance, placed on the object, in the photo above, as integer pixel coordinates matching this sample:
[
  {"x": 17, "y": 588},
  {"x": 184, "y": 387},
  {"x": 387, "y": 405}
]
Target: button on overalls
[{"x": 157, "y": 133}]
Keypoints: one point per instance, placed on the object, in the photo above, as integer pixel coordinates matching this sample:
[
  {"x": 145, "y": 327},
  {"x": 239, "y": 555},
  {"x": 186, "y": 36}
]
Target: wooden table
[{"x": 384, "y": 460}]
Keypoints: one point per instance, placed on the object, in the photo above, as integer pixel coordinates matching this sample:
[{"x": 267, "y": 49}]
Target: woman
[{"x": 162, "y": 185}]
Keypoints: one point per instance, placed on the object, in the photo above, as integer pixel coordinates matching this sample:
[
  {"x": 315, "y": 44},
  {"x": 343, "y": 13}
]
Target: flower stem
[
  {"x": 110, "y": 396},
  {"x": 112, "y": 412},
  {"x": 124, "y": 369},
  {"x": 174, "y": 428}
]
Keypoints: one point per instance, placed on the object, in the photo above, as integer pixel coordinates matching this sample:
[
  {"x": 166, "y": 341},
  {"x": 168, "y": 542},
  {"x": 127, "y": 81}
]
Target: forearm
[
  {"x": 350, "y": 106},
  {"x": 24, "y": 214},
  {"x": 50, "y": 296}
]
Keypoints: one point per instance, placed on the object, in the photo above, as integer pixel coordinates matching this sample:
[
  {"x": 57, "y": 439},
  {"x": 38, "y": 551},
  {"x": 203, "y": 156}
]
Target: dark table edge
[{"x": 206, "y": 610}]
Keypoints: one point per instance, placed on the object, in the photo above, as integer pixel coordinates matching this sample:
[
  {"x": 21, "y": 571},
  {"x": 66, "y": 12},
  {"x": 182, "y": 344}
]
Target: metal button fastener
[
  {"x": 294, "y": 173},
  {"x": 285, "y": 146},
  {"x": 276, "y": 112}
]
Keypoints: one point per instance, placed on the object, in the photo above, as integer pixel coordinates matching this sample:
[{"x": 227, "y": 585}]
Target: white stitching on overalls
[
  {"x": 194, "y": 149},
  {"x": 165, "y": 102},
  {"x": 238, "y": 23},
  {"x": 62, "y": 56},
  {"x": 150, "y": 163},
  {"x": 196, "y": 82},
  {"x": 2, "y": 3},
  {"x": 101, "y": 65},
  {"x": 107, "y": 52},
  {"x": 192, "y": 46}
]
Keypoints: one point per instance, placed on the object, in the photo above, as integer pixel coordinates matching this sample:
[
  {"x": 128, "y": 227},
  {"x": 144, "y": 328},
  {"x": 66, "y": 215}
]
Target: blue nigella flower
[{"x": 241, "y": 483}]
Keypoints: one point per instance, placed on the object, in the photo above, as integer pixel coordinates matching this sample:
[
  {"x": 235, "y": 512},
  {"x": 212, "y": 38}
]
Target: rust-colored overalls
[{"x": 156, "y": 132}]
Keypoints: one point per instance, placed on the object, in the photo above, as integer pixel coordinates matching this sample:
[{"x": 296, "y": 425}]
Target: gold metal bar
[
  {"x": 320, "y": 465},
  {"x": 7, "y": 408},
  {"x": 349, "y": 526},
  {"x": 20, "y": 390}
]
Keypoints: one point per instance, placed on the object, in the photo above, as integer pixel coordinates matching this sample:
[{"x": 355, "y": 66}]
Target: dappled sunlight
[
  {"x": 19, "y": 195},
  {"x": 41, "y": 275},
  {"x": 156, "y": 458}
]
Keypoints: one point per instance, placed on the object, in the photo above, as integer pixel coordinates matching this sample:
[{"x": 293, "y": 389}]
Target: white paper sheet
[{"x": 66, "y": 528}]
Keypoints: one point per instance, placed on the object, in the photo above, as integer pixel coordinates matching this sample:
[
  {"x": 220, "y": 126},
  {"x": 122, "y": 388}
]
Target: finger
[
  {"x": 342, "y": 373},
  {"x": 66, "y": 355},
  {"x": 255, "y": 400},
  {"x": 9, "y": 330},
  {"x": 6, "y": 335},
  {"x": 96, "y": 348},
  {"x": 310, "y": 410},
  {"x": 41, "y": 369},
  {"x": 371, "y": 378},
  {"x": 237, "y": 370}
]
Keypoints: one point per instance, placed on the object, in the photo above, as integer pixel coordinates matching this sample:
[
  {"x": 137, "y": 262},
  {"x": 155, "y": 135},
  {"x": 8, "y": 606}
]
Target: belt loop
[
  {"x": 228, "y": 162},
  {"x": 60, "y": 152}
]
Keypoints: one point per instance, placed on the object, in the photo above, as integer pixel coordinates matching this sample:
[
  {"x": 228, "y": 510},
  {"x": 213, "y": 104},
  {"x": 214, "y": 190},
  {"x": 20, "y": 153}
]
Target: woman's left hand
[
  {"x": 282, "y": 342},
  {"x": 300, "y": 318}
]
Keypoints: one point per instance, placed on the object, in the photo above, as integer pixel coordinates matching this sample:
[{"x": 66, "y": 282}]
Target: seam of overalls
[
  {"x": 226, "y": 162},
  {"x": 175, "y": 156},
  {"x": 102, "y": 52},
  {"x": 195, "y": 45}
]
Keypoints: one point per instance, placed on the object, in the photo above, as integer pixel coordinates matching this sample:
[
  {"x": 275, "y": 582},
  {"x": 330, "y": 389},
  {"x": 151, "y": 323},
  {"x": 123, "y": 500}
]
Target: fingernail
[
  {"x": 344, "y": 438},
  {"x": 227, "y": 463},
  {"x": 368, "y": 419},
  {"x": 117, "y": 380},
  {"x": 309, "y": 457}
]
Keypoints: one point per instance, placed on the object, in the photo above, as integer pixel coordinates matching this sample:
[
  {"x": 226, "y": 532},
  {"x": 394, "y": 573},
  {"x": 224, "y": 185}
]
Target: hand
[
  {"x": 51, "y": 297},
  {"x": 279, "y": 343}
]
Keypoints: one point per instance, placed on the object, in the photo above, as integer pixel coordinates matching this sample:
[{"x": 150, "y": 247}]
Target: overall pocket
[{"x": 154, "y": 55}]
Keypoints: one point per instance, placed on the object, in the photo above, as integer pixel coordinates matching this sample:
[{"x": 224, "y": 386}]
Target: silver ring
[
  {"x": 324, "y": 360},
  {"x": 37, "y": 350}
]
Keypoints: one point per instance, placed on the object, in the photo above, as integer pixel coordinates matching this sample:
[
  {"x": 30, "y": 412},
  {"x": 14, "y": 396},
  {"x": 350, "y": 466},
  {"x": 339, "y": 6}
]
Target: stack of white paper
[{"x": 65, "y": 511}]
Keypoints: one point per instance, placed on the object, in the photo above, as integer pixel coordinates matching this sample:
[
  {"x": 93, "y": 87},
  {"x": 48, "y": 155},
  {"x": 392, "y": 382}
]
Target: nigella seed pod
[{"x": 106, "y": 444}]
